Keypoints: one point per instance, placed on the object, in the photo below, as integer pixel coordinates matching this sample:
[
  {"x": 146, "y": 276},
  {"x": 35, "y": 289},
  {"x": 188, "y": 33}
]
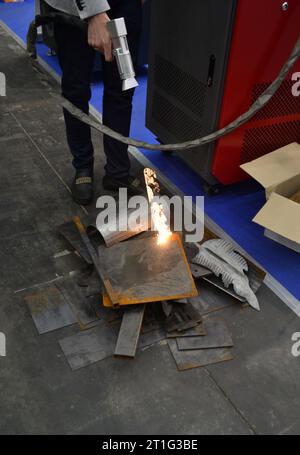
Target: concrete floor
[{"x": 257, "y": 392}]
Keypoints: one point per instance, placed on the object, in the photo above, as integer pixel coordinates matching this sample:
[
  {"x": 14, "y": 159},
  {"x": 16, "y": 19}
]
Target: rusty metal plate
[
  {"x": 78, "y": 301},
  {"x": 98, "y": 343},
  {"x": 142, "y": 271},
  {"x": 217, "y": 336},
  {"x": 88, "y": 347},
  {"x": 49, "y": 309},
  {"x": 186, "y": 360},
  {"x": 107, "y": 314}
]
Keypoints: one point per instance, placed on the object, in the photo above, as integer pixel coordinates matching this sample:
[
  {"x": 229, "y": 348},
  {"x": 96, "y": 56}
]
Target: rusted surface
[
  {"x": 49, "y": 309},
  {"x": 186, "y": 360},
  {"x": 141, "y": 271}
]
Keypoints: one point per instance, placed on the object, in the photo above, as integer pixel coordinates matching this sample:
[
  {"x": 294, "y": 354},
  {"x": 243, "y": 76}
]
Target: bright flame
[
  {"x": 163, "y": 237},
  {"x": 160, "y": 223},
  {"x": 159, "y": 219}
]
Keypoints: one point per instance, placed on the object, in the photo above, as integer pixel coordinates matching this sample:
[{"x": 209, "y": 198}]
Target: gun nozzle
[{"x": 129, "y": 83}]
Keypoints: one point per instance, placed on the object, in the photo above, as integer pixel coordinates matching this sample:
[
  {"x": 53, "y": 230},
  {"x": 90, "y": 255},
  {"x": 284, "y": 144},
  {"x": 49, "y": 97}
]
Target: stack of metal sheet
[{"x": 132, "y": 294}]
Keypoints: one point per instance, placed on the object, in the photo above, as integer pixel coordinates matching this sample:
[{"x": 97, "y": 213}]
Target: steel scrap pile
[{"x": 134, "y": 292}]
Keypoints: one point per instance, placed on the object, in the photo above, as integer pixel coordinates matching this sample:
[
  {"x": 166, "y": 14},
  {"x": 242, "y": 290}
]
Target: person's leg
[
  {"x": 117, "y": 105},
  {"x": 76, "y": 59}
]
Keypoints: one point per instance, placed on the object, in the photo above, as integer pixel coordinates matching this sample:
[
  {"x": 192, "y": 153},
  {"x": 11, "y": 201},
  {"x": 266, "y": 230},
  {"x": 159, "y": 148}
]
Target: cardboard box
[{"x": 279, "y": 173}]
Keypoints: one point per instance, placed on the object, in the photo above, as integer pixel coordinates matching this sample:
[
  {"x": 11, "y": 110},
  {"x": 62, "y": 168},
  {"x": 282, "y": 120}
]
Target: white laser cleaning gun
[{"x": 118, "y": 34}]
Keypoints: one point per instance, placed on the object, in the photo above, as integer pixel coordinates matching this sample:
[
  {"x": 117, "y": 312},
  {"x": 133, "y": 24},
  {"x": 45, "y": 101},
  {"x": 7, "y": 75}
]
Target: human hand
[{"x": 98, "y": 36}]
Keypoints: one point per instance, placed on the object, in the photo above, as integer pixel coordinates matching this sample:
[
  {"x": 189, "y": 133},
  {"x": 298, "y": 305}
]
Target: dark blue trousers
[{"x": 76, "y": 59}]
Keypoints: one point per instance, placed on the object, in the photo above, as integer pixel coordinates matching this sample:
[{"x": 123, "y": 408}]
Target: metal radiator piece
[
  {"x": 226, "y": 251},
  {"x": 222, "y": 262}
]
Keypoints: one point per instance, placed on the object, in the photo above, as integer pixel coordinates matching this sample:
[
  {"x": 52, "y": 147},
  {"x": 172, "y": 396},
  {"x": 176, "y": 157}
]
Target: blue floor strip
[{"x": 232, "y": 210}]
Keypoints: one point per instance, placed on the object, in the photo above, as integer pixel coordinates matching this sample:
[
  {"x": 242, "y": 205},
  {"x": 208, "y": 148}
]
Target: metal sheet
[
  {"x": 230, "y": 266},
  {"x": 183, "y": 317},
  {"x": 84, "y": 276},
  {"x": 149, "y": 326},
  {"x": 107, "y": 314},
  {"x": 142, "y": 271},
  {"x": 186, "y": 360},
  {"x": 85, "y": 348},
  {"x": 130, "y": 331},
  {"x": 256, "y": 277},
  {"x": 96, "y": 260},
  {"x": 112, "y": 236},
  {"x": 98, "y": 343},
  {"x": 197, "y": 331},
  {"x": 150, "y": 338},
  {"x": 217, "y": 282},
  {"x": 211, "y": 299},
  {"x": 71, "y": 234},
  {"x": 191, "y": 249},
  {"x": 94, "y": 285},
  {"x": 49, "y": 309},
  {"x": 80, "y": 304},
  {"x": 198, "y": 271},
  {"x": 150, "y": 321},
  {"x": 167, "y": 308},
  {"x": 218, "y": 336}
]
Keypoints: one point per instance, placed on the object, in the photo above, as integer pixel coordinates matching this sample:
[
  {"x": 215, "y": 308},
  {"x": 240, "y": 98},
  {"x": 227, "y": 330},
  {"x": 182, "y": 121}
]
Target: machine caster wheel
[{"x": 212, "y": 190}]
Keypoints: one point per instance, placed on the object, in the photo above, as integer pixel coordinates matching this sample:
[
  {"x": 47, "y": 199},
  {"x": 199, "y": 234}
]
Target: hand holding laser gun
[{"x": 102, "y": 34}]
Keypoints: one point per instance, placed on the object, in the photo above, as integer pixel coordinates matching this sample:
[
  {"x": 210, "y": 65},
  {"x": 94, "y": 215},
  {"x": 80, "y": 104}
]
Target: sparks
[
  {"x": 159, "y": 218},
  {"x": 160, "y": 223}
]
